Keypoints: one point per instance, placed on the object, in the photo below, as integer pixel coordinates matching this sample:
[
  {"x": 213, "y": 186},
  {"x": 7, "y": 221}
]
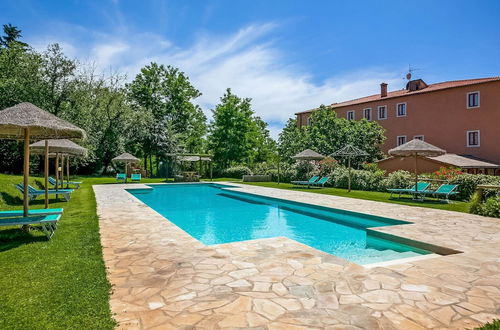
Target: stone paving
[{"x": 163, "y": 278}]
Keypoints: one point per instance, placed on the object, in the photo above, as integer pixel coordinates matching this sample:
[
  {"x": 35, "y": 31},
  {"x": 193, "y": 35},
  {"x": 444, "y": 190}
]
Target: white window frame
[
  {"x": 378, "y": 112},
  {"x": 419, "y": 136},
  {"x": 397, "y": 140},
  {"x": 478, "y": 100},
  {"x": 397, "y": 109},
  {"x": 371, "y": 114},
  {"x": 353, "y": 114},
  {"x": 478, "y": 139}
]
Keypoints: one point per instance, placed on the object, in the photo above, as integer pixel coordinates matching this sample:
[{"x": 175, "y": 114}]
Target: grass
[
  {"x": 56, "y": 284},
  {"x": 370, "y": 195}
]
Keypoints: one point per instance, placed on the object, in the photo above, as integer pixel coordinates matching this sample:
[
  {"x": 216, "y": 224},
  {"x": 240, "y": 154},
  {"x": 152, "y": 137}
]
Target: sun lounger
[
  {"x": 444, "y": 190},
  {"x": 34, "y": 193},
  {"x": 37, "y": 212},
  {"x": 52, "y": 181},
  {"x": 121, "y": 177},
  {"x": 321, "y": 182},
  {"x": 306, "y": 183},
  {"x": 421, "y": 186},
  {"x": 135, "y": 177},
  {"x": 48, "y": 223}
]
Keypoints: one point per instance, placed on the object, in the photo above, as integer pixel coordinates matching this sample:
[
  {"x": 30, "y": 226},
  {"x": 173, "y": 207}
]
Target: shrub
[
  {"x": 467, "y": 183},
  {"x": 398, "y": 179},
  {"x": 490, "y": 207},
  {"x": 360, "y": 179},
  {"x": 236, "y": 172},
  {"x": 327, "y": 165},
  {"x": 446, "y": 173},
  {"x": 306, "y": 169},
  {"x": 287, "y": 172}
]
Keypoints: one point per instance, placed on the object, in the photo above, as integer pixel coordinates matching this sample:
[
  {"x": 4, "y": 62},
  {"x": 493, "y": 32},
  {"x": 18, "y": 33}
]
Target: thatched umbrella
[
  {"x": 308, "y": 154},
  {"x": 416, "y": 148},
  {"x": 26, "y": 121},
  {"x": 64, "y": 147},
  {"x": 349, "y": 151},
  {"x": 126, "y": 158}
]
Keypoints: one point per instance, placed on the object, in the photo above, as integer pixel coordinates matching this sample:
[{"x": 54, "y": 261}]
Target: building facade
[{"x": 462, "y": 117}]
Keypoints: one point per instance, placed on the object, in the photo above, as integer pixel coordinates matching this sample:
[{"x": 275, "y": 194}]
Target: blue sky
[{"x": 288, "y": 56}]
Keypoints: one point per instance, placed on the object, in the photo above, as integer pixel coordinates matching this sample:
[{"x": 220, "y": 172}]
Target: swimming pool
[{"x": 214, "y": 215}]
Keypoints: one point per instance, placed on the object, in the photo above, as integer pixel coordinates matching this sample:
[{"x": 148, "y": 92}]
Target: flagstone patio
[{"x": 163, "y": 278}]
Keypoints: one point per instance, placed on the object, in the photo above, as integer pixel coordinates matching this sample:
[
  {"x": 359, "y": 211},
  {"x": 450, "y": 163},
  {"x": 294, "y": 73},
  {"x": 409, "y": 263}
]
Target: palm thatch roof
[
  {"x": 308, "y": 154},
  {"x": 64, "y": 146},
  {"x": 126, "y": 158},
  {"x": 350, "y": 151},
  {"x": 41, "y": 124},
  {"x": 416, "y": 147}
]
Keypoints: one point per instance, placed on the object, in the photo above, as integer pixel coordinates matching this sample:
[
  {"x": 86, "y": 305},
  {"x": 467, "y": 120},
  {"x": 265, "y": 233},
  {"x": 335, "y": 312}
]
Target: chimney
[{"x": 383, "y": 90}]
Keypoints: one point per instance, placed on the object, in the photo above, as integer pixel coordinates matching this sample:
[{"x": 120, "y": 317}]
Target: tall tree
[
  {"x": 328, "y": 133},
  {"x": 234, "y": 132},
  {"x": 11, "y": 37},
  {"x": 167, "y": 95}
]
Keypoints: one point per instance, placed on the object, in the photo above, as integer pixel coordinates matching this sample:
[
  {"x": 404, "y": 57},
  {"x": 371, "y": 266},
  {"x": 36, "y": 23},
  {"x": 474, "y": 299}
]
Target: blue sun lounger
[
  {"x": 444, "y": 190},
  {"x": 34, "y": 193},
  {"x": 135, "y": 177},
  {"x": 421, "y": 186},
  {"x": 36, "y": 212},
  {"x": 306, "y": 183},
  {"x": 52, "y": 181},
  {"x": 321, "y": 182},
  {"x": 121, "y": 177},
  {"x": 48, "y": 223}
]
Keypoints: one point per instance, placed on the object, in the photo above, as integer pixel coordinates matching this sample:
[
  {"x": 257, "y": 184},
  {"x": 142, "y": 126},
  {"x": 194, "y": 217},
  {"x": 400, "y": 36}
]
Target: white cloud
[{"x": 245, "y": 61}]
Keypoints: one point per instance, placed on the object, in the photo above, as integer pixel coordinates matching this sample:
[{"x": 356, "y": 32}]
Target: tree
[
  {"x": 327, "y": 133},
  {"x": 235, "y": 135},
  {"x": 166, "y": 94},
  {"x": 11, "y": 37}
]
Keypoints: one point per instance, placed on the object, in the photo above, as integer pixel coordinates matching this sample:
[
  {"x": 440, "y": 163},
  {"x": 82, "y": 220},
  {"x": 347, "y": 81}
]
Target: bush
[
  {"x": 489, "y": 208},
  {"x": 287, "y": 171},
  {"x": 398, "y": 179},
  {"x": 467, "y": 183},
  {"x": 236, "y": 172},
  {"x": 360, "y": 179}
]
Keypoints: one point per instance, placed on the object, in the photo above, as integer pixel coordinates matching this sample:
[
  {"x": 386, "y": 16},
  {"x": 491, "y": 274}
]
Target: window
[
  {"x": 309, "y": 121},
  {"x": 419, "y": 137},
  {"x": 382, "y": 112},
  {"x": 401, "y": 140},
  {"x": 472, "y": 100},
  {"x": 401, "y": 109},
  {"x": 350, "y": 115},
  {"x": 367, "y": 114},
  {"x": 473, "y": 139}
]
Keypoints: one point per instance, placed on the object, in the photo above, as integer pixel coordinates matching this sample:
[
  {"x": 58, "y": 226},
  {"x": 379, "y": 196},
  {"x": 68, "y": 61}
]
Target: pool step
[{"x": 372, "y": 256}]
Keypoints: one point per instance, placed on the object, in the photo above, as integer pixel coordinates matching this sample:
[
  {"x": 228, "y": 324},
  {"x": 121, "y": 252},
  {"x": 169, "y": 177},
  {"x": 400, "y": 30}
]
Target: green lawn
[
  {"x": 369, "y": 195},
  {"x": 56, "y": 284}
]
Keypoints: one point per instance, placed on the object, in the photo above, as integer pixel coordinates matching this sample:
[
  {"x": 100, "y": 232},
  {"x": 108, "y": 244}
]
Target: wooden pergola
[{"x": 189, "y": 157}]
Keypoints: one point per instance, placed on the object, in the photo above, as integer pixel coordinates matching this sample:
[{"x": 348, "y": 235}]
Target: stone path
[{"x": 163, "y": 278}]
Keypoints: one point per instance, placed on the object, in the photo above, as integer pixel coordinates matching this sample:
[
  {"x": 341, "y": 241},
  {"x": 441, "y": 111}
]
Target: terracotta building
[{"x": 462, "y": 117}]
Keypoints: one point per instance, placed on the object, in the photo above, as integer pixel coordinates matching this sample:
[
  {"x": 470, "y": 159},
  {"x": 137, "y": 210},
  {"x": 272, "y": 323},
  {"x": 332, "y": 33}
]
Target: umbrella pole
[
  {"x": 57, "y": 172},
  {"x": 46, "y": 170},
  {"x": 26, "y": 170},
  {"x": 416, "y": 173},
  {"x": 349, "y": 174},
  {"x": 67, "y": 172}
]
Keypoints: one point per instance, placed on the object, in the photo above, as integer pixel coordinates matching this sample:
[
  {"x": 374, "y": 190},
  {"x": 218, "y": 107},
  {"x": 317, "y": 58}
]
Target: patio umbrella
[
  {"x": 349, "y": 151},
  {"x": 62, "y": 146},
  {"x": 126, "y": 158},
  {"x": 25, "y": 121},
  {"x": 308, "y": 154},
  {"x": 416, "y": 148}
]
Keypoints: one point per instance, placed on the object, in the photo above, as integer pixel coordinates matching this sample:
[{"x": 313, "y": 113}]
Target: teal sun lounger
[
  {"x": 421, "y": 186},
  {"x": 121, "y": 177},
  {"x": 34, "y": 193},
  {"x": 47, "y": 223},
  {"x": 52, "y": 181},
  {"x": 135, "y": 177},
  {"x": 306, "y": 183}
]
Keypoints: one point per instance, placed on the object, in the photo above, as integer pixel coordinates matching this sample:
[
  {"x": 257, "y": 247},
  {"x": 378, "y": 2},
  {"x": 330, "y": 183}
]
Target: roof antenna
[{"x": 410, "y": 71}]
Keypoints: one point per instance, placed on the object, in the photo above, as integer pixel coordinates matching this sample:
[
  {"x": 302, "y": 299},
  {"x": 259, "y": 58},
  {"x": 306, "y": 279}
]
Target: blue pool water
[{"x": 215, "y": 215}]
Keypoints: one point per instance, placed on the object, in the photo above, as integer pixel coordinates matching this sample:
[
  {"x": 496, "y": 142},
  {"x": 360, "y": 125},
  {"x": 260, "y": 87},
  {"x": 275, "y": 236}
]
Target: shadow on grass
[
  {"x": 419, "y": 202},
  {"x": 15, "y": 237},
  {"x": 18, "y": 201}
]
